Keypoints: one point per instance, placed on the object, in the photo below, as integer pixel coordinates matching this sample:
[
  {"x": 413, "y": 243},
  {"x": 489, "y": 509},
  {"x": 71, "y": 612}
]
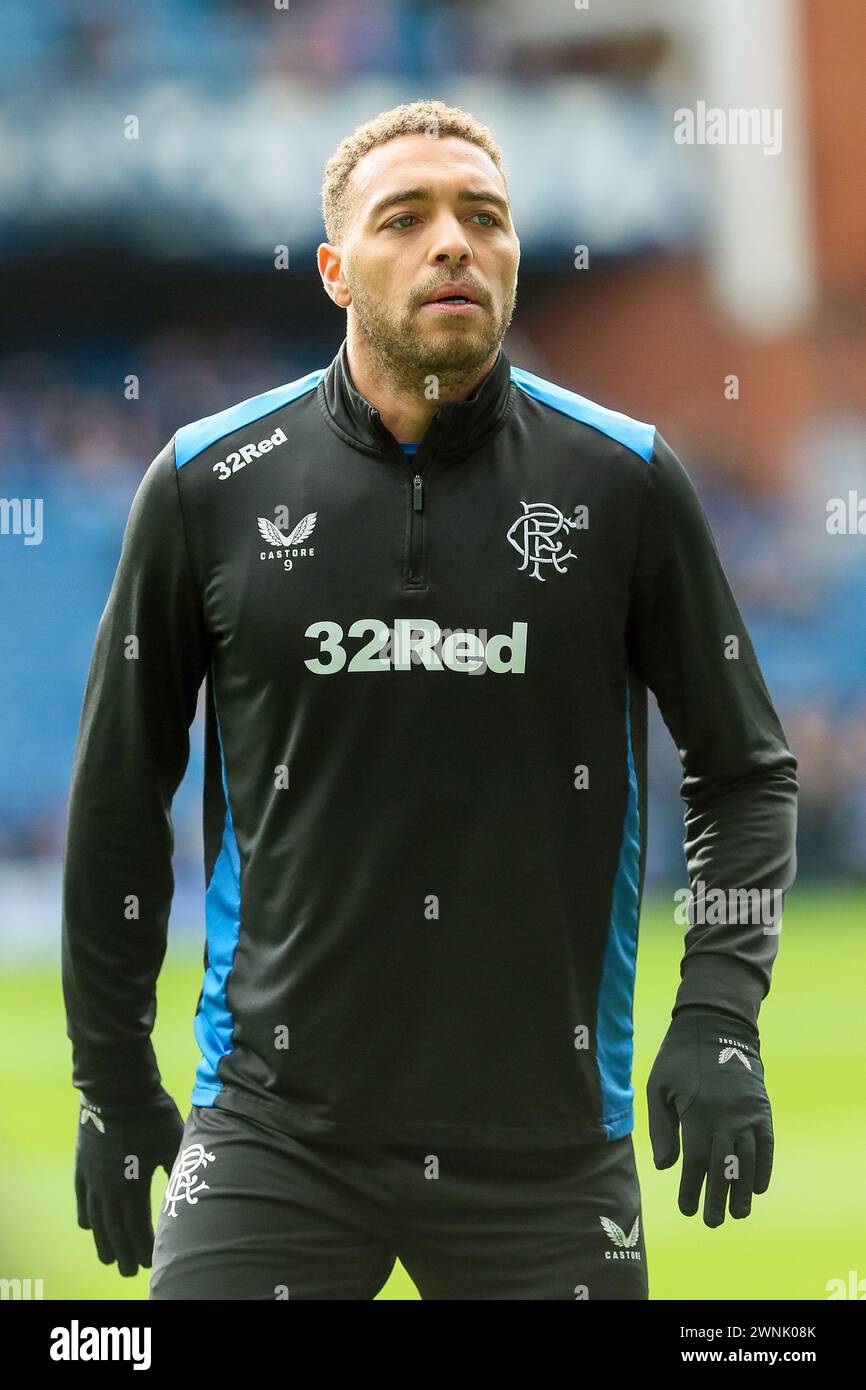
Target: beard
[{"x": 408, "y": 354}]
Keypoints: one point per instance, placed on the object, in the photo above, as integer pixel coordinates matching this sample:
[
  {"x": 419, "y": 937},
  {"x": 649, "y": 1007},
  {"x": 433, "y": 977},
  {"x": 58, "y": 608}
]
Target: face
[{"x": 427, "y": 211}]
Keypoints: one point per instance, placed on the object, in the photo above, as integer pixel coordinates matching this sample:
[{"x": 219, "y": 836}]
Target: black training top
[{"x": 425, "y": 773}]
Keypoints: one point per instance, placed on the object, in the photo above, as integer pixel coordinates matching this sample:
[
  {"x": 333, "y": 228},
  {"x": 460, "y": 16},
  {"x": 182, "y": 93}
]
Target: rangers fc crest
[{"x": 540, "y": 535}]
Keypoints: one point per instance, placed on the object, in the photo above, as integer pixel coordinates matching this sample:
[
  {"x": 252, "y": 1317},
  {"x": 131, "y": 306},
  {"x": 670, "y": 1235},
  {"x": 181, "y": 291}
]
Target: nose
[{"x": 449, "y": 243}]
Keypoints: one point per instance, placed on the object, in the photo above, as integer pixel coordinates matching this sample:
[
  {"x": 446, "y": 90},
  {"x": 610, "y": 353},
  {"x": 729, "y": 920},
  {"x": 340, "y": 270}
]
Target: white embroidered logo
[
  {"x": 728, "y": 1052},
  {"x": 618, "y": 1235},
  {"x": 180, "y": 1184},
  {"x": 290, "y": 547},
  {"x": 272, "y": 533},
  {"x": 534, "y": 534},
  {"x": 241, "y": 457},
  {"x": 625, "y": 1244}
]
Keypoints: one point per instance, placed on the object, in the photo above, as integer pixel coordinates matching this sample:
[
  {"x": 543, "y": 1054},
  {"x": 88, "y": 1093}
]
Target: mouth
[
  {"x": 451, "y": 306},
  {"x": 452, "y": 299}
]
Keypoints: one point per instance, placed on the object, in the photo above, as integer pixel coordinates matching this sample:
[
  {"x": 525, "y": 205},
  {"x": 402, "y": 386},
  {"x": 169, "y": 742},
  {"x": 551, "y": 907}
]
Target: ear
[{"x": 330, "y": 262}]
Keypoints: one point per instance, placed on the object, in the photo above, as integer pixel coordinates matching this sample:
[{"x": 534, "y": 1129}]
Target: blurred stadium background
[{"x": 154, "y": 160}]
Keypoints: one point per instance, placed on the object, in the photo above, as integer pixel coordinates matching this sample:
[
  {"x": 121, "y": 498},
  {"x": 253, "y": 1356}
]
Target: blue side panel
[
  {"x": 634, "y": 434},
  {"x": 214, "y": 1024},
  {"x": 190, "y": 440},
  {"x": 613, "y": 1028}
]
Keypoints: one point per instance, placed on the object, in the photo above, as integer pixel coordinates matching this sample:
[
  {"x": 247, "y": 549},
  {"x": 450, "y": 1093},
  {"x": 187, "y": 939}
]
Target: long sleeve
[
  {"x": 148, "y": 662},
  {"x": 740, "y": 784}
]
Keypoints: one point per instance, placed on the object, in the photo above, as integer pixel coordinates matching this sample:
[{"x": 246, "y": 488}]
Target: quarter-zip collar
[{"x": 457, "y": 427}]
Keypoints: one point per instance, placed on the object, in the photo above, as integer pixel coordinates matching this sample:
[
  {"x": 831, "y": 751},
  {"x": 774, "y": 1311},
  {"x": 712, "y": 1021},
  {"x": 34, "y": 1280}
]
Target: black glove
[
  {"x": 709, "y": 1078},
  {"x": 113, "y": 1191}
]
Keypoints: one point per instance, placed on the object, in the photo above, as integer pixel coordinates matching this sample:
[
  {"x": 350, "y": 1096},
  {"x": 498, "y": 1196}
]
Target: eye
[
  {"x": 494, "y": 221},
  {"x": 401, "y": 218}
]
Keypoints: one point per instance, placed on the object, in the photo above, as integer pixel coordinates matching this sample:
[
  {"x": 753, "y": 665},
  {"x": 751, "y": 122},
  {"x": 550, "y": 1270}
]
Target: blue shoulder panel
[
  {"x": 190, "y": 440},
  {"x": 634, "y": 434}
]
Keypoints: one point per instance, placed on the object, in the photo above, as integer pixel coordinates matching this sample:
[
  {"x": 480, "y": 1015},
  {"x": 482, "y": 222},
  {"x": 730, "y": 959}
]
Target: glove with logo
[
  {"x": 708, "y": 1078},
  {"x": 119, "y": 1147}
]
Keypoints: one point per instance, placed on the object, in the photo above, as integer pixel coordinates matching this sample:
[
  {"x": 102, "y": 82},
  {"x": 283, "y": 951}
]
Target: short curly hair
[{"x": 426, "y": 117}]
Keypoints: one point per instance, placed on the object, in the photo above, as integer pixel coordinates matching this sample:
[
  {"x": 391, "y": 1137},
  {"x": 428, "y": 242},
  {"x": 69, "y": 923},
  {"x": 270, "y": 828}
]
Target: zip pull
[{"x": 417, "y": 495}]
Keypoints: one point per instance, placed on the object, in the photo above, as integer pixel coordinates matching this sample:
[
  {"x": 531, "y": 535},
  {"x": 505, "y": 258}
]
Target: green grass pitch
[{"x": 808, "y": 1228}]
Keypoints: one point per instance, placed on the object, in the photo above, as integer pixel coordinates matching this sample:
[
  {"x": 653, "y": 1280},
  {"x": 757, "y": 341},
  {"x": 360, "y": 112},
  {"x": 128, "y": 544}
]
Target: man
[{"x": 428, "y": 591}]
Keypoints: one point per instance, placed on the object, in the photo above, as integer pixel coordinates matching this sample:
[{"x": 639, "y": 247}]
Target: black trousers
[{"x": 250, "y": 1213}]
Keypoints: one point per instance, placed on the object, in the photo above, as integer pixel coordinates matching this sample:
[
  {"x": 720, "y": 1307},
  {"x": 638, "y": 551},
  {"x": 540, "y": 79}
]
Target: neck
[{"x": 401, "y": 402}]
